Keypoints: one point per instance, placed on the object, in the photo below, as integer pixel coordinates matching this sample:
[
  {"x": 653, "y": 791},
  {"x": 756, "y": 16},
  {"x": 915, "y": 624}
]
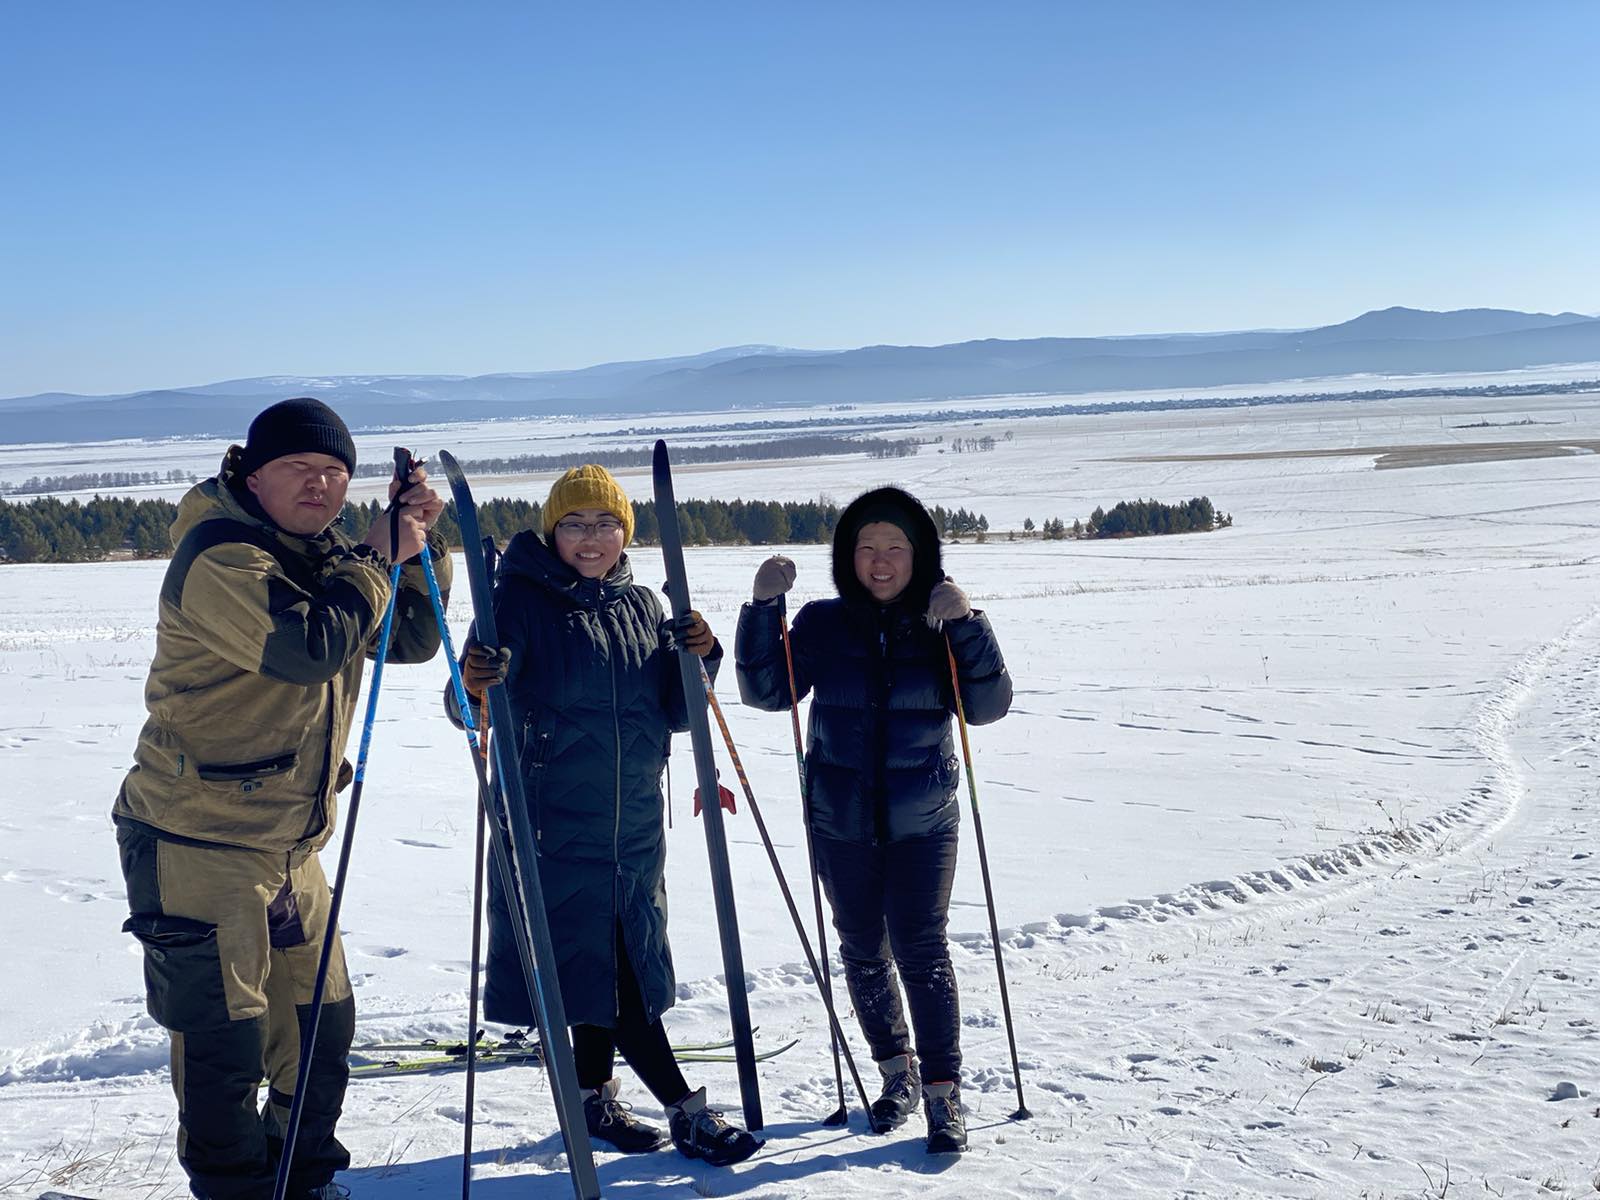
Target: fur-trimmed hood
[{"x": 902, "y": 509}]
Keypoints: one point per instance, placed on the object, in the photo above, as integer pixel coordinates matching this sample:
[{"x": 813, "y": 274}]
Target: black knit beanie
[{"x": 299, "y": 426}]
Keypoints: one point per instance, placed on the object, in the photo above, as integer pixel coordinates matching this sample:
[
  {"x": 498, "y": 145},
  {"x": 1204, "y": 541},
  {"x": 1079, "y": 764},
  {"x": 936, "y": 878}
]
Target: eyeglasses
[{"x": 574, "y": 531}]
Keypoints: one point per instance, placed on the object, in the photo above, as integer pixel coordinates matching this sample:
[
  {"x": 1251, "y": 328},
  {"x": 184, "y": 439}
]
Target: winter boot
[
  {"x": 700, "y": 1132},
  {"x": 610, "y": 1120},
  {"x": 947, "y": 1128},
  {"x": 901, "y": 1085}
]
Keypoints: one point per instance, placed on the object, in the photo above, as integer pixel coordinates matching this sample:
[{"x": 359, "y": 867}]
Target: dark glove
[
  {"x": 773, "y": 578},
  {"x": 692, "y": 633},
  {"x": 484, "y": 666}
]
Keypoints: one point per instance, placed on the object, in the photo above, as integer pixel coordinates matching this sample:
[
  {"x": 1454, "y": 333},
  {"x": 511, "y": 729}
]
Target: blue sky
[{"x": 200, "y": 191}]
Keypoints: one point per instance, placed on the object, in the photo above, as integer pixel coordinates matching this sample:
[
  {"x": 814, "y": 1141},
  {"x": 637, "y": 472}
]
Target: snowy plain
[{"x": 1293, "y": 829}]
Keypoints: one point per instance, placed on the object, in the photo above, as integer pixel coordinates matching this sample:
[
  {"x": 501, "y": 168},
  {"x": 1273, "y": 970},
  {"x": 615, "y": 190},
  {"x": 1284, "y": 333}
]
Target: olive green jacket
[{"x": 260, "y": 641}]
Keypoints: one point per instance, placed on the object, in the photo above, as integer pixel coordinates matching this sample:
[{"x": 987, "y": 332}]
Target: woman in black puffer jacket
[
  {"x": 591, "y": 672},
  {"x": 881, "y": 775}
]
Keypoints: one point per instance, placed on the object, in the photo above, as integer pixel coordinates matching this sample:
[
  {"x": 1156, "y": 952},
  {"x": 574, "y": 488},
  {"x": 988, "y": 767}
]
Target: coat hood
[{"x": 905, "y": 510}]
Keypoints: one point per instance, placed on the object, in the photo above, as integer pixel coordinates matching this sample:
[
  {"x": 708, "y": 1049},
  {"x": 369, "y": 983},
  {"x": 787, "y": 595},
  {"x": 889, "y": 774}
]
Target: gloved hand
[
  {"x": 773, "y": 578},
  {"x": 693, "y": 633},
  {"x": 947, "y": 602},
  {"x": 484, "y": 666}
]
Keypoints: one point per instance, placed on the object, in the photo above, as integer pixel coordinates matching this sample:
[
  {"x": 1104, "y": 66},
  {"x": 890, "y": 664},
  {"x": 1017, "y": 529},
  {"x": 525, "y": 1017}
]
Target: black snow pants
[
  {"x": 643, "y": 1043},
  {"x": 891, "y": 903}
]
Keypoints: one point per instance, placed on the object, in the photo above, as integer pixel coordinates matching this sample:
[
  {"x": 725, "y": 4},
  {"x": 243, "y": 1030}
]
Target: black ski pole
[
  {"x": 1022, "y": 1113},
  {"x": 838, "y": 1116},
  {"x": 834, "y": 1031},
  {"x": 330, "y": 931}
]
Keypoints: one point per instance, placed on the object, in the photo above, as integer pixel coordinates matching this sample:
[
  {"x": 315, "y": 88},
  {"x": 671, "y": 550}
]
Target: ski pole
[
  {"x": 479, "y": 747},
  {"x": 330, "y": 931},
  {"x": 1022, "y": 1113},
  {"x": 477, "y": 952},
  {"x": 783, "y": 885},
  {"x": 837, "y": 1117}
]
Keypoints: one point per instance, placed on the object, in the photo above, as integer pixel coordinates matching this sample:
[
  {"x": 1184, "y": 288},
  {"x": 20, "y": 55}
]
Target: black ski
[
  {"x": 516, "y": 855},
  {"x": 706, "y": 771}
]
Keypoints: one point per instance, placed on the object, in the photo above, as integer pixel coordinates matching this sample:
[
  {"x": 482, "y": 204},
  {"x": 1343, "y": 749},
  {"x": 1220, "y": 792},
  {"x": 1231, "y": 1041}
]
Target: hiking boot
[
  {"x": 947, "y": 1128},
  {"x": 700, "y": 1132},
  {"x": 610, "y": 1120},
  {"x": 902, "y": 1084}
]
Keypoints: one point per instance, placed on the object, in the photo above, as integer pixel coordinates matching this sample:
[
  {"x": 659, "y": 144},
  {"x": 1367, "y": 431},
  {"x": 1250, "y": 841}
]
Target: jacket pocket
[
  {"x": 248, "y": 775},
  {"x": 182, "y": 971}
]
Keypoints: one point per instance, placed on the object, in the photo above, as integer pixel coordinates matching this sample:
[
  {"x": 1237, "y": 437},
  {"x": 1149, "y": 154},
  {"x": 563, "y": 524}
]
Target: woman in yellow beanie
[{"x": 589, "y": 668}]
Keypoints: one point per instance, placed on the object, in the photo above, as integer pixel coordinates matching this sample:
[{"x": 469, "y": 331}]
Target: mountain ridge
[{"x": 1390, "y": 341}]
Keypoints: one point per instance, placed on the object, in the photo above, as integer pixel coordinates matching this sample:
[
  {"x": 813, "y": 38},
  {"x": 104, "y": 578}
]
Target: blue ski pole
[
  {"x": 478, "y": 746},
  {"x": 308, "y": 1034}
]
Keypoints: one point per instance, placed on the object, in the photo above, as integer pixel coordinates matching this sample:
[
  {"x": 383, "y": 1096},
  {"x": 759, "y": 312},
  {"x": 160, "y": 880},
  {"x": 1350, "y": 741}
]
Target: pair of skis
[{"x": 455, "y": 1058}]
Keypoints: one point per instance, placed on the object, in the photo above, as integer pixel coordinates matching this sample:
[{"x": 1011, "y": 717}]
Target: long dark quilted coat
[
  {"x": 596, "y": 693},
  {"x": 881, "y": 761}
]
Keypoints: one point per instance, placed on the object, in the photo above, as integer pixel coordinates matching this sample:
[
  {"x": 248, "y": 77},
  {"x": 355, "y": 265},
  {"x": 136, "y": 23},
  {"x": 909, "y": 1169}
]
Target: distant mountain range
[{"x": 1391, "y": 341}]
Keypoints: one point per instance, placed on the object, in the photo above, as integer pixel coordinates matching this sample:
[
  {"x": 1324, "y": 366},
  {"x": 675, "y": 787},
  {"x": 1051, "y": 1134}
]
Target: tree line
[
  {"x": 48, "y": 530},
  {"x": 40, "y": 485},
  {"x": 1137, "y": 518}
]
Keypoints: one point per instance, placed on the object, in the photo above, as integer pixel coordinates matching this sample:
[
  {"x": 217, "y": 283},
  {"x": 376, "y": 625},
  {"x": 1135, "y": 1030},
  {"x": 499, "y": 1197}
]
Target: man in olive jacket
[{"x": 266, "y": 617}]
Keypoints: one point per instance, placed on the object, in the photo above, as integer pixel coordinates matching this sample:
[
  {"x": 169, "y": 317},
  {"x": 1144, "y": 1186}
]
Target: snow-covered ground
[{"x": 1293, "y": 831}]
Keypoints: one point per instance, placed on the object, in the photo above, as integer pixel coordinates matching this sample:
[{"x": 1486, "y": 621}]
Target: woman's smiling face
[
  {"x": 589, "y": 540},
  {"x": 883, "y": 560}
]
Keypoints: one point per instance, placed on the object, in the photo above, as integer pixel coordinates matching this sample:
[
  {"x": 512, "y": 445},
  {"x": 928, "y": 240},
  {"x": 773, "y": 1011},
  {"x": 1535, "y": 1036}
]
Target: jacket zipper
[
  {"x": 616, "y": 817},
  {"x": 880, "y": 736}
]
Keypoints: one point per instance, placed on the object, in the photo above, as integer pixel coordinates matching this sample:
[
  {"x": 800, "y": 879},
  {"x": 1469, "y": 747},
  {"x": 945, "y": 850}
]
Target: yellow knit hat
[{"x": 587, "y": 486}]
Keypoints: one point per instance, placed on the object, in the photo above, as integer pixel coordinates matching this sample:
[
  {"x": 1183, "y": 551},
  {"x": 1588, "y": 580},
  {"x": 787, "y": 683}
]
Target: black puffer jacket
[
  {"x": 881, "y": 761},
  {"x": 596, "y": 693}
]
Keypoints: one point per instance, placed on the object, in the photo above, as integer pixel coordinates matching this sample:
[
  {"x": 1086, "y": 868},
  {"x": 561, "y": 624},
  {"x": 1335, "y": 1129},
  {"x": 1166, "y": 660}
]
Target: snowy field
[{"x": 1293, "y": 829}]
